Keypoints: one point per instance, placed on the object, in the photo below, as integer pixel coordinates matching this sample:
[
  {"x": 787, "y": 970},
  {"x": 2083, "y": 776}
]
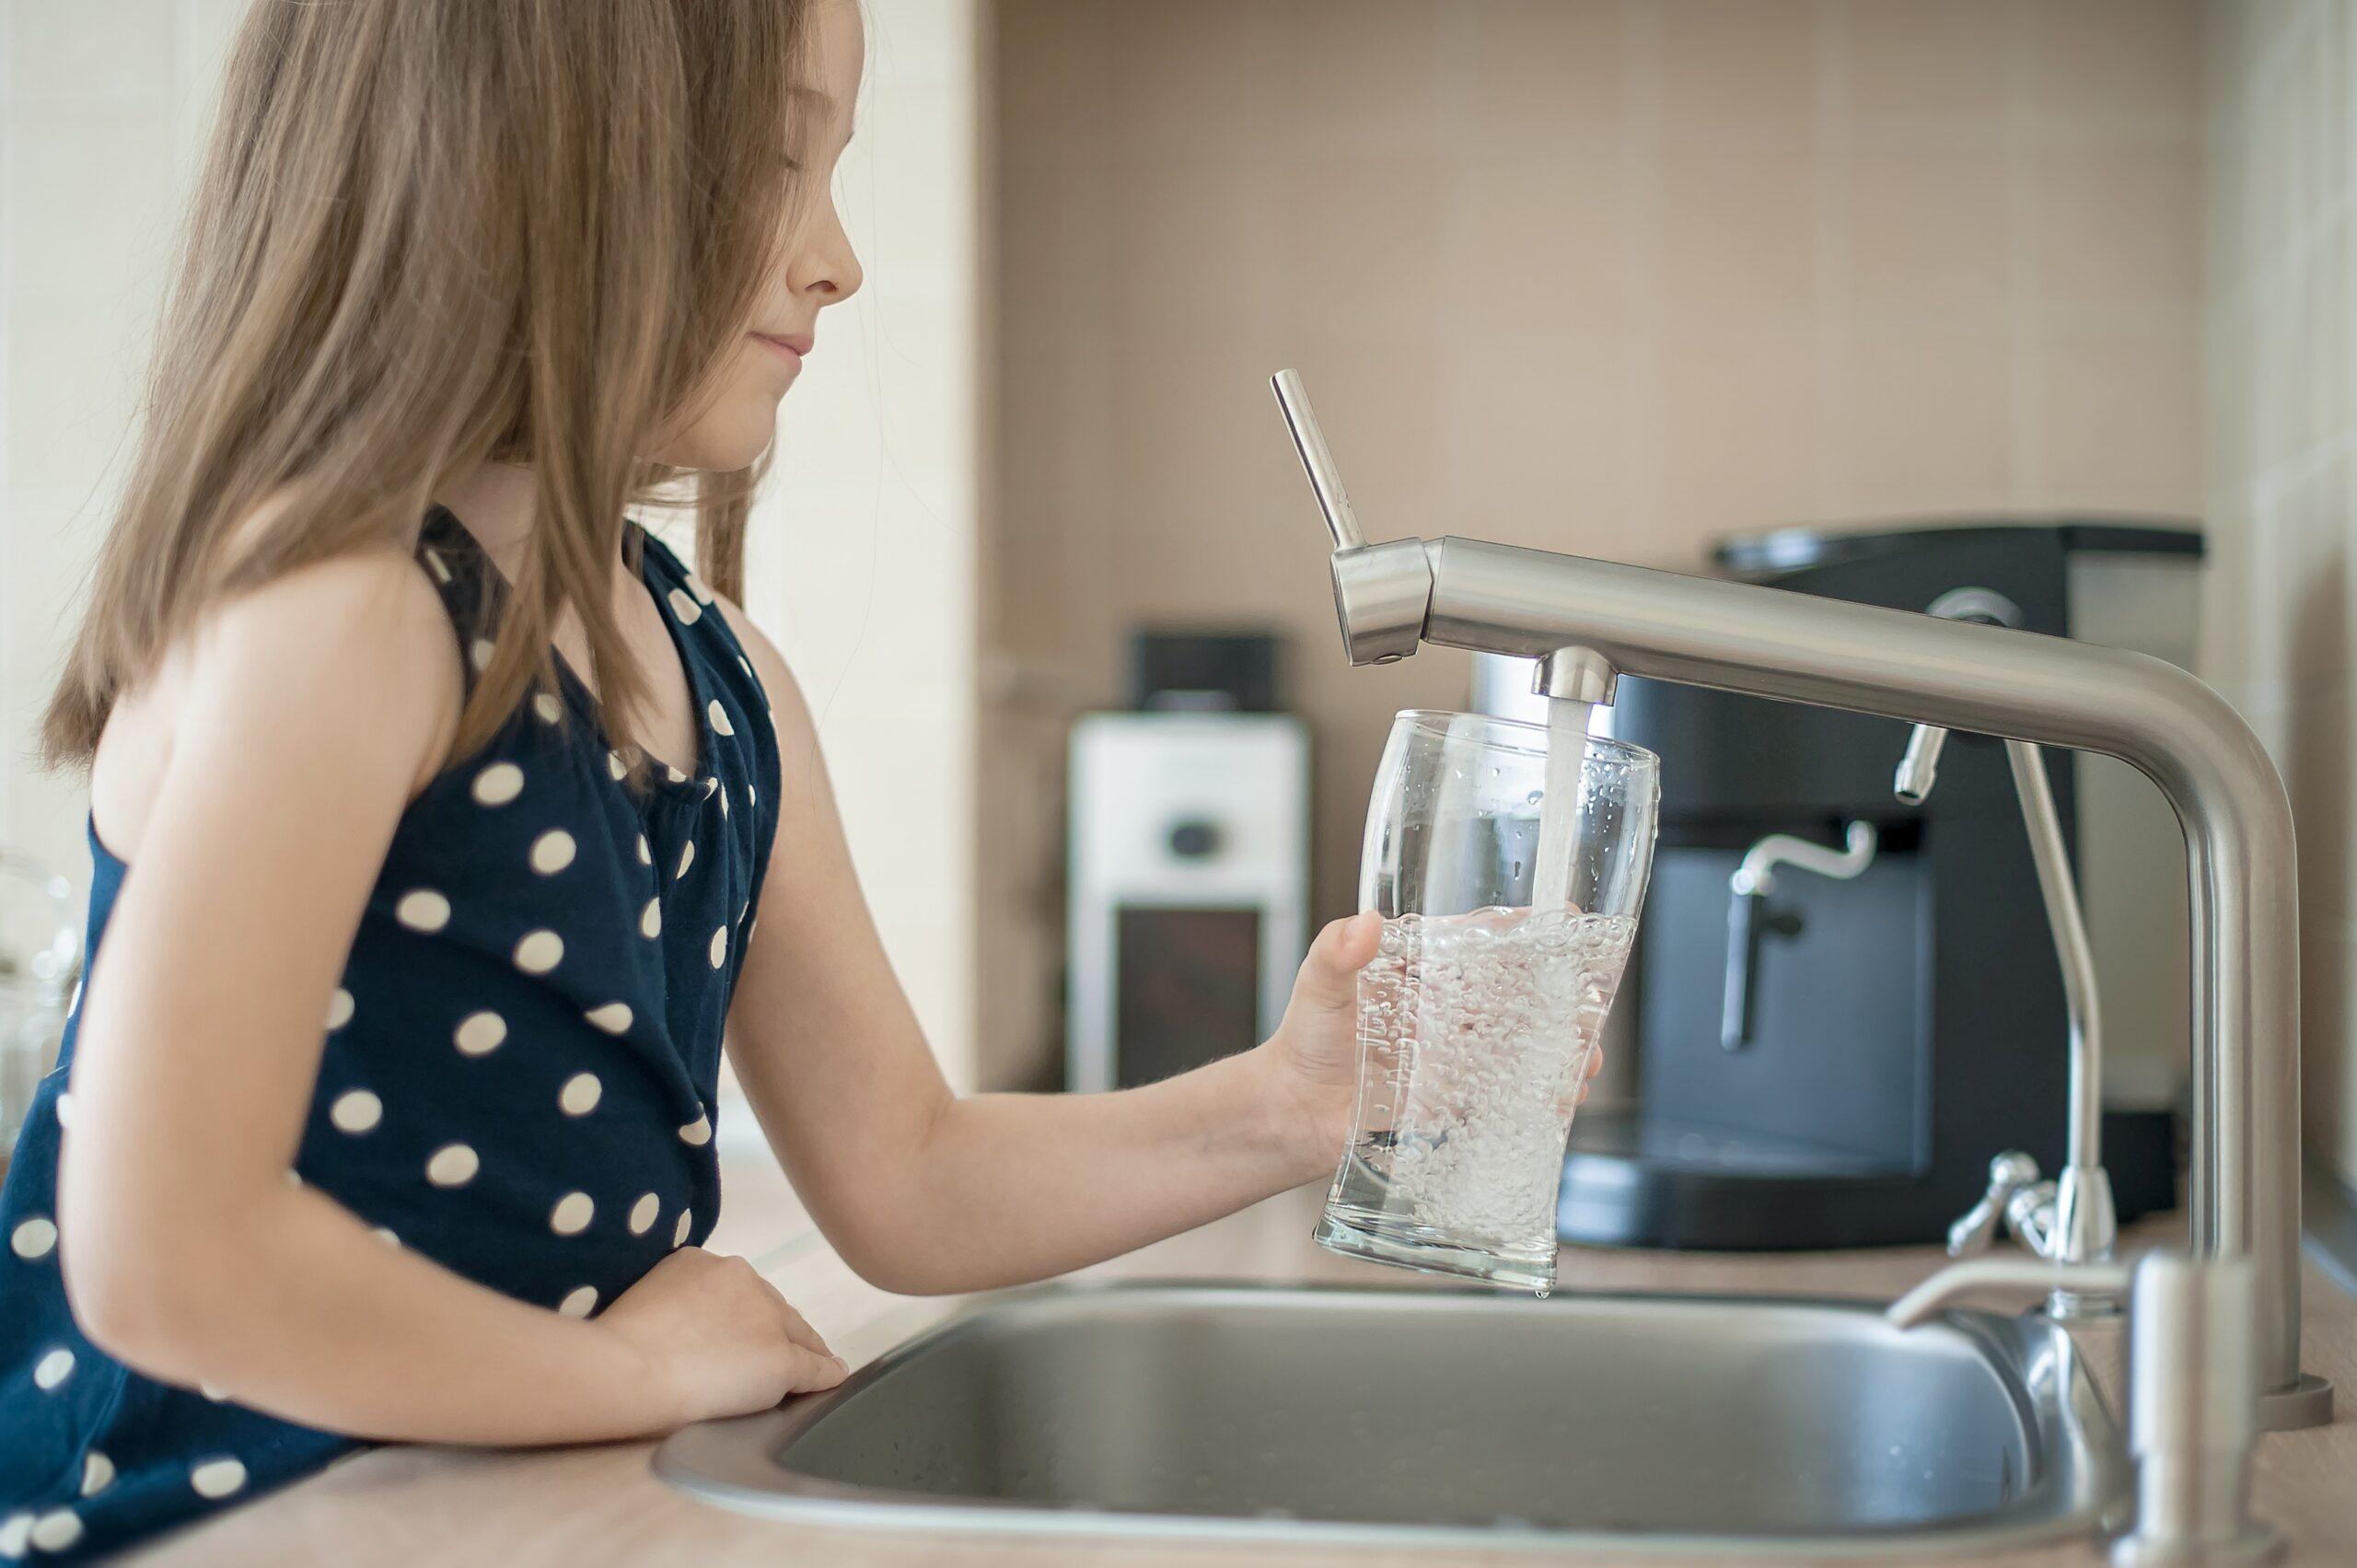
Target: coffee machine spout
[{"x": 1498, "y": 598}]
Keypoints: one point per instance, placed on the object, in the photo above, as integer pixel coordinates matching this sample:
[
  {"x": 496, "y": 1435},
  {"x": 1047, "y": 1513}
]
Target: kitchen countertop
[{"x": 601, "y": 1504}]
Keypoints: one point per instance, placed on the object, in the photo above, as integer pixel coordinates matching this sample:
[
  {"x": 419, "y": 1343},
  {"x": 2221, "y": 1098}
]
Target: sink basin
[{"x": 1441, "y": 1417}]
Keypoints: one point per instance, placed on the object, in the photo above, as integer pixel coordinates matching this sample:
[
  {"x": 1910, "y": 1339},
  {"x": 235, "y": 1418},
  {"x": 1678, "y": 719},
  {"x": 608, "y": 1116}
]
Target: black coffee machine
[{"x": 1838, "y": 1069}]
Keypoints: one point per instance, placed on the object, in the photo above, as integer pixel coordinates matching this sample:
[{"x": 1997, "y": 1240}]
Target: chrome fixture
[
  {"x": 2245, "y": 1196},
  {"x": 1749, "y": 919},
  {"x": 2071, "y": 1219},
  {"x": 2193, "y": 1393}
]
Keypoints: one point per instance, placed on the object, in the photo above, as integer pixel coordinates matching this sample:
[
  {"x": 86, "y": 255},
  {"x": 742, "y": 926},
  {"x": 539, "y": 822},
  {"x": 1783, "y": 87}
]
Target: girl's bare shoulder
[{"x": 350, "y": 661}]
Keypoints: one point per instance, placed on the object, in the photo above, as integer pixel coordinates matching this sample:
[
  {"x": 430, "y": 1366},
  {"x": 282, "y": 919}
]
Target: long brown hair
[{"x": 431, "y": 233}]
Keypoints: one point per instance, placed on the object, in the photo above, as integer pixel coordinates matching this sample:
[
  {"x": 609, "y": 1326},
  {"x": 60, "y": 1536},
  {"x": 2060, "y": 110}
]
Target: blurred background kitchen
[{"x": 1627, "y": 278}]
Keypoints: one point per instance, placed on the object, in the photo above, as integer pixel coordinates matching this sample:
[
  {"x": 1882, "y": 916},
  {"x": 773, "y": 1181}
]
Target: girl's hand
[
  {"x": 1313, "y": 1054},
  {"x": 719, "y": 1337}
]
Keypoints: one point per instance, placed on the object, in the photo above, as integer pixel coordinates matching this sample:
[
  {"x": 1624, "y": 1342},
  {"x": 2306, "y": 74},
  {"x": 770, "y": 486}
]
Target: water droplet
[{"x": 1535, "y": 796}]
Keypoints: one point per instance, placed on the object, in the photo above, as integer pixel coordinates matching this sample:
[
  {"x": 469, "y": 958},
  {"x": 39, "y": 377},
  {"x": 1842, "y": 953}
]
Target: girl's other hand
[{"x": 720, "y": 1338}]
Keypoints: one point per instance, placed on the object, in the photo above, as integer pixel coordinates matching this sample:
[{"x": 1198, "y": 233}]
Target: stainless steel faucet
[
  {"x": 2070, "y": 1219},
  {"x": 2192, "y": 1405},
  {"x": 1585, "y": 622}
]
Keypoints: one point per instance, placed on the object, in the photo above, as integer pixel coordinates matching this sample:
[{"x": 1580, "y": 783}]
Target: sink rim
[{"x": 727, "y": 1462}]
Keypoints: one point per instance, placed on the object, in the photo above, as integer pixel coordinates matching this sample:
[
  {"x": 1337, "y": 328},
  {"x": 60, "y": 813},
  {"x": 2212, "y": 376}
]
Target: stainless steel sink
[{"x": 1444, "y": 1417}]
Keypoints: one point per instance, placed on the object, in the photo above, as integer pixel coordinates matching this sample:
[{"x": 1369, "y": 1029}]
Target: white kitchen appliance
[{"x": 1188, "y": 889}]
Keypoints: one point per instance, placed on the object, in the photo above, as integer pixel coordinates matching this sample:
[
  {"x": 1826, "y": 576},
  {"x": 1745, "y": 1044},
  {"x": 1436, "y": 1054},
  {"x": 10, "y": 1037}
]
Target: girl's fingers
[
  {"x": 1594, "y": 1064},
  {"x": 808, "y": 1371}
]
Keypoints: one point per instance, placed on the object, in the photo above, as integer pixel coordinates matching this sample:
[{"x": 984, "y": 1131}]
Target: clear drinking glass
[{"x": 1478, "y": 1015}]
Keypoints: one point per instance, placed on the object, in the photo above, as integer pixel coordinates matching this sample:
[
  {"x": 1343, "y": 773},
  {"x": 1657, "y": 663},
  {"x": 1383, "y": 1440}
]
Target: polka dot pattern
[
  {"x": 453, "y": 1165},
  {"x": 57, "y": 1531},
  {"x": 552, "y": 852},
  {"x": 356, "y": 1111},
  {"x": 536, "y": 989},
  {"x": 498, "y": 784},
  {"x": 540, "y": 952},
  {"x": 218, "y": 1477},
  {"x": 479, "y": 1034},
  {"x": 52, "y": 1369},
  {"x": 33, "y": 1238},
  {"x": 422, "y": 909}
]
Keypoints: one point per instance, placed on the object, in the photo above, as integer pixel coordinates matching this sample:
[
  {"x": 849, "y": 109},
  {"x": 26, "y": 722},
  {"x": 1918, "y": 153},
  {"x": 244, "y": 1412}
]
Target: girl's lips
[{"x": 791, "y": 349}]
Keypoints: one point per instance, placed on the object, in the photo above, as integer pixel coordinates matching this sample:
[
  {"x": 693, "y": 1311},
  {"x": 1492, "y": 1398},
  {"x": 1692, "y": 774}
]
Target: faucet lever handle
[
  {"x": 2008, "y": 1174},
  {"x": 1309, "y": 441}
]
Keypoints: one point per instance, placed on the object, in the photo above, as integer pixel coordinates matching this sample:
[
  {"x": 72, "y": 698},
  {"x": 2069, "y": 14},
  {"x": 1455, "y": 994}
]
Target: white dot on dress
[
  {"x": 339, "y": 1008},
  {"x": 674, "y": 774},
  {"x": 644, "y": 1213},
  {"x": 387, "y": 1236},
  {"x": 216, "y": 1478},
  {"x": 650, "y": 923},
  {"x": 552, "y": 852},
  {"x": 52, "y": 1369},
  {"x": 680, "y": 1231},
  {"x": 686, "y": 609},
  {"x": 14, "y": 1530},
  {"x": 98, "y": 1474},
  {"x": 750, "y": 797},
  {"x": 696, "y": 586},
  {"x": 613, "y": 1017},
  {"x": 453, "y": 1165},
  {"x": 616, "y": 766},
  {"x": 723, "y": 803},
  {"x": 719, "y": 946},
  {"x": 571, "y": 1214},
  {"x": 579, "y": 1096},
  {"x": 356, "y": 1111},
  {"x": 498, "y": 784},
  {"x": 540, "y": 952},
  {"x": 33, "y": 1238},
  {"x": 579, "y": 1303},
  {"x": 435, "y": 563},
  {"x": 697, "y": 1131},
  {"x": 719, "y": 717},
  {"x": 212, "y": 1391},
  {"x": 480, "y": 652},
  {"x": 63, "y": 1109},
  {"x": 423, "y": 909},
  {"x": 645, "y": 855},
  {"x": 479, "y": 1034},
  {"x": 687, "y": 858},
  {"x": 55, "y": 1530},
  {"x": 548, "y": 708}
]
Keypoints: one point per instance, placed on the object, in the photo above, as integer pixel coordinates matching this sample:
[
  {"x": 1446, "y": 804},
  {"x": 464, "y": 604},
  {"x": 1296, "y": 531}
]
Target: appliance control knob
[{"x": 1194, "y": 839}]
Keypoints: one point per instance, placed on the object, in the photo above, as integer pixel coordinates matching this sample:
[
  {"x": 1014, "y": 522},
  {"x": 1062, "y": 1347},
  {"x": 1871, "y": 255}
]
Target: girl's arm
[
  {"x": 922, "y": 1190},
  {"x": 305, "y": 715}
]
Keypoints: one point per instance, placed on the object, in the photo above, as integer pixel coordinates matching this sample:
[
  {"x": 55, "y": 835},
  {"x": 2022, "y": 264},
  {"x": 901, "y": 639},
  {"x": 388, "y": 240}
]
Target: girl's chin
[{"x": 723, "y": 442}]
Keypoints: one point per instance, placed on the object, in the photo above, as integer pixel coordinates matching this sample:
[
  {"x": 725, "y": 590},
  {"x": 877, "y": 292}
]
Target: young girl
[{"x": 467, "y": 820}]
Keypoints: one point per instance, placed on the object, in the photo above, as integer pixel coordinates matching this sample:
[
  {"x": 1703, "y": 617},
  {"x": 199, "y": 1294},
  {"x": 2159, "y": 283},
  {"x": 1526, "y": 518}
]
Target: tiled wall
[
  {"x": 1616, "y": 276},
  {"x": 863, "y": 560},
  {"x": 2281, "y": 288}
]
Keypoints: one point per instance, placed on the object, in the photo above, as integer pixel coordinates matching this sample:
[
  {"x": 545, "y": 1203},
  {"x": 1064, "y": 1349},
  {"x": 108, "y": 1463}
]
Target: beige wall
[
  {"x": 2281, "y": 303},
  {"x": 1609, "y": 277}
]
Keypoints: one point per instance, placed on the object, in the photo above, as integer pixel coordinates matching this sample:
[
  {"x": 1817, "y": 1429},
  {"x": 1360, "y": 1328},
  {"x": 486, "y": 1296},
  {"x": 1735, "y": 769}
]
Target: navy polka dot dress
[{"x": 517, "y": 1075}]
